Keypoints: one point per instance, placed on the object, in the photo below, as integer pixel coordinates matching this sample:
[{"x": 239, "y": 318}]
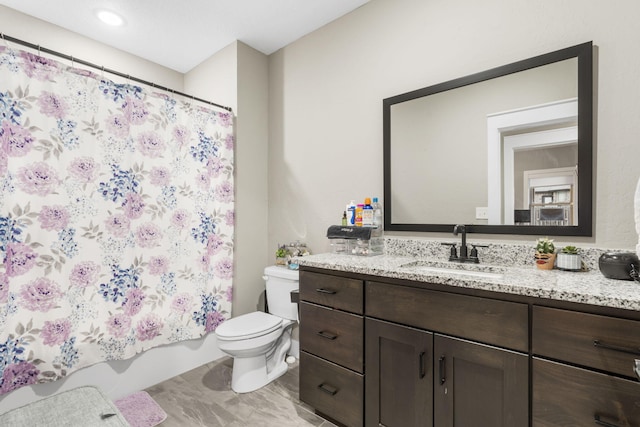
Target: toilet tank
[{"x": 280, "y": 281}]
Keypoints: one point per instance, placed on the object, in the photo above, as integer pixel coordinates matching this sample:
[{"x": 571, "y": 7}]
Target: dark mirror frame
[{"x": 584, "y": 53}]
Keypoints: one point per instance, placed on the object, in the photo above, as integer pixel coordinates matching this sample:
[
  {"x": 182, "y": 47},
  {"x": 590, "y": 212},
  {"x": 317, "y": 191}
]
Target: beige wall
[
  {"x": 216, "y": 78},
  {"x": 327, "y": 90},
  {"x": 251, "y": 181}
]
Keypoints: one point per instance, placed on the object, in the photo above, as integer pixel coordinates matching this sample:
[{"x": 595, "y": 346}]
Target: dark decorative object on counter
[{"x": 619, "y": 265}]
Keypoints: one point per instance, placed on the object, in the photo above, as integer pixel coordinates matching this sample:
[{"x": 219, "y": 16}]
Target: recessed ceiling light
[{"x": 110, "y": 18}]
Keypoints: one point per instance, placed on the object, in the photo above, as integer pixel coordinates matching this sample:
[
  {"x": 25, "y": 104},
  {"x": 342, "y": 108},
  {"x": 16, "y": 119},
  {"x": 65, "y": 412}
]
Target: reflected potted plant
[
  {"x": 569, "y": 258},
  {"x": 545, "y": 253}
]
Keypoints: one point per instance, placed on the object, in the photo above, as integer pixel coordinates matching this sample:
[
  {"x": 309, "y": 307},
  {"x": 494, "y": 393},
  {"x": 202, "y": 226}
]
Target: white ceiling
[{"x": 180, "y": 34}]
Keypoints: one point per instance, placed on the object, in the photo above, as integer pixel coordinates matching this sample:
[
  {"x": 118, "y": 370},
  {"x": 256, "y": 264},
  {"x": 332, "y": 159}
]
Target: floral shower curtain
[{"x": 116, "y": 219}]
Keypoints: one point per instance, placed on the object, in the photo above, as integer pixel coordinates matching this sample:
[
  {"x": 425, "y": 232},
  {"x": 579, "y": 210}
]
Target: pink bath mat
[{"x": 140, "y": 410}]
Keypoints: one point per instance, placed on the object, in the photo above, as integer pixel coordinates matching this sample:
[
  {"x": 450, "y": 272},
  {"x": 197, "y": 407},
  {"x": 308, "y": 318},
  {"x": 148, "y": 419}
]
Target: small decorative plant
[
  {"x": 569, "y": 259},
  {"x": 281, "y": 255},
  {"x": 281, "y": 252},
  {"x": 545, "y": 253},
  {"x": 545, "y": 246},
  {"x": 571, "y": 250}
]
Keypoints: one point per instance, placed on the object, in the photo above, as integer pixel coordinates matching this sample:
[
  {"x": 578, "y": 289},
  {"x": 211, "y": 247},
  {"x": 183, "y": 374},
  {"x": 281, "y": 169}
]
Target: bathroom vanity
[
  {"x": 401, "y": 341},
  {"x": 386, "y": 342}
]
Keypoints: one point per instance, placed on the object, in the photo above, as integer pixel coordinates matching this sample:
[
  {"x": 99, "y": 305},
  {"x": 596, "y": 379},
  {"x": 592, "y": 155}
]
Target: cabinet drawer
[
  {"x": 568, "y": 396},
  {"x": 332, "y": 390},
  {"x": 606, "y": 343},
  {"x": 501, "y": 323},
  {"x": 332, "y": 334},
  {"x": 333, "y": 291}
]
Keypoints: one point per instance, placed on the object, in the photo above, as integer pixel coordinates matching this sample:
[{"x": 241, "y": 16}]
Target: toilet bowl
[{"x": 258, "y": 341}]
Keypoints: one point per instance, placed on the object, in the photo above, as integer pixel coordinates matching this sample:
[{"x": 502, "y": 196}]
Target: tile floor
[{"x": 203, "y": 397}]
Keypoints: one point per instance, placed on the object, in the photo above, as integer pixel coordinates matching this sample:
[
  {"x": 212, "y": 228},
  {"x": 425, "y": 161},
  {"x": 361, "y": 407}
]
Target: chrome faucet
[{"x": 465, "y": 256}]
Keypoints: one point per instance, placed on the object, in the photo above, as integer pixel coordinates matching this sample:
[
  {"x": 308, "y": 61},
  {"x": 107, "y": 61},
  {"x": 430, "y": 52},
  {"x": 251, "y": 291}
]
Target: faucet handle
[
  {"x": 474, "y": 250},
  {"x": 454, "y": 253}
]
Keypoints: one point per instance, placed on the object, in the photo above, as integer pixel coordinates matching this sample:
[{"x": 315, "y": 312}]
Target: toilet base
[{"x": 252, "y": 373}]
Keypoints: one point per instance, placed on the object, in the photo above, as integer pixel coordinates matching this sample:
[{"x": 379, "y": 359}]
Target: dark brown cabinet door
[
  {"x": 331, "y": 389},
  {"x": 568, "y": 396},
  {"x": 478, "y": 385},
  {"x": 332, "y": 334},
  {"x": 399, "y": 375},
  {"x": 605, "y": 343}
]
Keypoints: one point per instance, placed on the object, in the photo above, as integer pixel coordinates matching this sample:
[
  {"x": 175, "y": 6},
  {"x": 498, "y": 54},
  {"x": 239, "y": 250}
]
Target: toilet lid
[{"x": 249, "y": 325}]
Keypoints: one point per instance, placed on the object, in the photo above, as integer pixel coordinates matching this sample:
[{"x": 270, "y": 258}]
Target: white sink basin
[{"x": 460, "y": 269}]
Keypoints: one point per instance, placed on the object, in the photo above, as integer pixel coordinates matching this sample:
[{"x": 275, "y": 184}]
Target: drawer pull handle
[
  {"x": 597, "y": 420},
  {"x": 635, "y": 351},
  {"x": 422, "y": 371},
  {"x": 636, "y": 368},
  {"x": 328, "y": 389},
  {"x": 327, "y": 335},
  {"x": 325, "y": 291},
  {"x": 442, "y": 363}
]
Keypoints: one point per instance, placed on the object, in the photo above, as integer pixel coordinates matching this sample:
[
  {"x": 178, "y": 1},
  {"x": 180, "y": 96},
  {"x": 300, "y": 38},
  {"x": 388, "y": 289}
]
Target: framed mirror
[{"x": 504, "y": 151}]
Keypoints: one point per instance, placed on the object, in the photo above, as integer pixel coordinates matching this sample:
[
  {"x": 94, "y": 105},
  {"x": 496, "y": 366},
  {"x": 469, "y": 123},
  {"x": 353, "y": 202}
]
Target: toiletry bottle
[
  {"x": 351, "y": 213},
  {"x": 377, "y": 213},
  {"x": 359, "y": 209},
  {"x": 367, "y": 213},
  {"x": 344, "y": 218}
]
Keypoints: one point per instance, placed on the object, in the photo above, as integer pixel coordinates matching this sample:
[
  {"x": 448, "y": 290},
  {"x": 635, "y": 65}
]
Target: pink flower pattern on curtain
[{"x": 116, "y": 219}]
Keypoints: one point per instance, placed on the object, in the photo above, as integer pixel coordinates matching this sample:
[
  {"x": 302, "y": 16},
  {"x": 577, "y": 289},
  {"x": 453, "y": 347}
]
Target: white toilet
[{"x": 258, "y": 341}]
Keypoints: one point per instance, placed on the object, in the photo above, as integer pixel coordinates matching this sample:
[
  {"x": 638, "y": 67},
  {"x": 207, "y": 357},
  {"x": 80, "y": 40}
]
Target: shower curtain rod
[{"x": 102, "y": 68}]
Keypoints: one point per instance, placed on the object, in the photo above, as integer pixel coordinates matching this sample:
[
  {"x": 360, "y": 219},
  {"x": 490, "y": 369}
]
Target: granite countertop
[{"x": 589, "y": 287}]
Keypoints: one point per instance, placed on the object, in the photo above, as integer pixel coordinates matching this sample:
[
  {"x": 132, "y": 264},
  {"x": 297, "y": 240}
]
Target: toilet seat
[{"x": 248, "y": 326}]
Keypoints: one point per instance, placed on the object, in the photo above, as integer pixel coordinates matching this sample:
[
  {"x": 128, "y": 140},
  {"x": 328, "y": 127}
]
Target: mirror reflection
[{"x": 495, "y": 152}]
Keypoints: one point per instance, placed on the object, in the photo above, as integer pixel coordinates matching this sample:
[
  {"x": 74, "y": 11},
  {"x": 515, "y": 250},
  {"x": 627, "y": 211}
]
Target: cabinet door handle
[
  {"x": 597, "y": 420},
  {"x": 636, "y": 367},
  {"x": 627, "y": 350},
  {"x": 422, "y": 369},
  {"x": 325, "y": 291},
  {"x": 442, "y": 363},
  {"x": 328, "y": 389},
  {"x": 327, "y": 335}
]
